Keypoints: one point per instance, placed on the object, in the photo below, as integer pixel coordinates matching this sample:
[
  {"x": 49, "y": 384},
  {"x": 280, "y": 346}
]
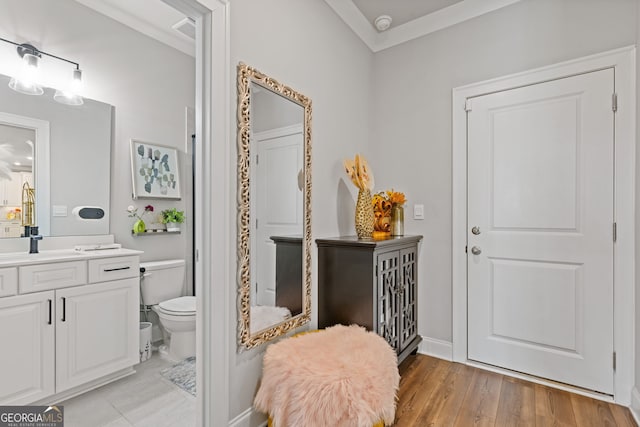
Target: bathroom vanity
[{"x": 68, "y": 322}]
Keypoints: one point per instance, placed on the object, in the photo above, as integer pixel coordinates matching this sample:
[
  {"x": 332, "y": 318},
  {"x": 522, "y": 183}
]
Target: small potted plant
[{"x": 172, "y": 218}]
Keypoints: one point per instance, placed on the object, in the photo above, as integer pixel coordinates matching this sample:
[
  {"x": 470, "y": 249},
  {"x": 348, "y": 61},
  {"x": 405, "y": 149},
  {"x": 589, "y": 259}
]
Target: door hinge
[
  {"x": 614, "y": 360},
  {"x": 614, "y": 102},
  {"x": 376, "y": 271},
  {"x": 615, "y": 231},
  {"x": 257, "y": 159},
  {"x": 467, "y": 105},
  {"x": 256, "y": 223}
]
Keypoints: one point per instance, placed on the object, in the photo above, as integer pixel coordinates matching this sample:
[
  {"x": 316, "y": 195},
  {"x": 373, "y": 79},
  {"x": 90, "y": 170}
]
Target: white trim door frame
[
  {"x": 211, "y": 260},
  {"x": 623, "y": 62}
]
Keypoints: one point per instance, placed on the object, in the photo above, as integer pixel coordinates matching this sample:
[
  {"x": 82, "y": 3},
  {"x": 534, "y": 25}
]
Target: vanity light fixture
[{"x": 26, "y": 81}]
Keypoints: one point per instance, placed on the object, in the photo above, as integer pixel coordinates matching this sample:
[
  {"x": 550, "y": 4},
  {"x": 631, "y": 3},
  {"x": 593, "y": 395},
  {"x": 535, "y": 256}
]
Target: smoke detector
[{"x": 382, "y": 22}]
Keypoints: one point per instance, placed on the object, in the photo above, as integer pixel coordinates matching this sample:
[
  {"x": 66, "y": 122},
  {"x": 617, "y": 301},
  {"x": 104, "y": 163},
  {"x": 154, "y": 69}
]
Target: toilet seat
[{"x": 182, "y": 306}]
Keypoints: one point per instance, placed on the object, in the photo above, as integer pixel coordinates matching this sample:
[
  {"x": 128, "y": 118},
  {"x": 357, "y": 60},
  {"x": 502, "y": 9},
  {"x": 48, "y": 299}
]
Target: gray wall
[
  {"x": 412, "y": 109},
  {"x": 304, "y": 45},
  {"x": 147, "y": 82}
]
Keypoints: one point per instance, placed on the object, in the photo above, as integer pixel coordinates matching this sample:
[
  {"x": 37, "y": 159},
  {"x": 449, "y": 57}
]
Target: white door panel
[
  {"x": 279, "y": 205},
  {"x": 541, "y": 192}
]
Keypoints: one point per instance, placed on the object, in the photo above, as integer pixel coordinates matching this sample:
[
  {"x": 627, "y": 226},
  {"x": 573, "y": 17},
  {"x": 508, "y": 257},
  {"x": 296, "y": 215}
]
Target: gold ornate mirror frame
[{"x": 246, "y": 76}]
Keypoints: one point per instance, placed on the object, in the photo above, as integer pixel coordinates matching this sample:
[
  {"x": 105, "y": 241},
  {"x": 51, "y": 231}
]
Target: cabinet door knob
[{"x": 476, "y": 250}]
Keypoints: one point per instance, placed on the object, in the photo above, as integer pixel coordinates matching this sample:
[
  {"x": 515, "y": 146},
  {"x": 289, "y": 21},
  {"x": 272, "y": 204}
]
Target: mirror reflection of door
[
  {"x": 16, "y": 169},
  {"x": 277, "y": 147},
  {"x": 279, "y": 208}
]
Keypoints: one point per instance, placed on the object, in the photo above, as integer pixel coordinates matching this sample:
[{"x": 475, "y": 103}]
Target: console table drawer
[{"x": 43, "y": 277}]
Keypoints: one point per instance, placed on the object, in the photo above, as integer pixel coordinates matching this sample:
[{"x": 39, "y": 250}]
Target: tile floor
[{"x": 142, "y": 399}]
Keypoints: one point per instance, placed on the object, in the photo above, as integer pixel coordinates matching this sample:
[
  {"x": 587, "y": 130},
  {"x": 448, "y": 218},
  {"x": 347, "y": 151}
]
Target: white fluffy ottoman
[{"x": 340, "y": 376}]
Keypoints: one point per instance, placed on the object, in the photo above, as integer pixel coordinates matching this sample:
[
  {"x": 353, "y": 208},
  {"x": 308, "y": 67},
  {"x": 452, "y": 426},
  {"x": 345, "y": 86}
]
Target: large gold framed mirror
[{"x": 274, "y": 208}]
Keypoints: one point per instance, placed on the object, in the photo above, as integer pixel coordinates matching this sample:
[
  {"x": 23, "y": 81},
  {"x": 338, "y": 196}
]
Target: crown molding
[
  {"x": 443, "y": 18},
  {"x": 175, "y": 41},
  {"x": 351, "y": 15}
]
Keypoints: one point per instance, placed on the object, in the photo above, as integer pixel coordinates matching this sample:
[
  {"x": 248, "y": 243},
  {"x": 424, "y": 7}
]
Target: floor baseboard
[
  {"x": 243, "y": 419},
  {"x": 635, "y": 405},
  {"x": 436, "y": 348}
]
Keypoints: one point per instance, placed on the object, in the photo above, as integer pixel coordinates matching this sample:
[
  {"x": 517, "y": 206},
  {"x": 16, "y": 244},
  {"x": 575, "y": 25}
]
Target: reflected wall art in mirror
[{"x": 274, "y": 208}]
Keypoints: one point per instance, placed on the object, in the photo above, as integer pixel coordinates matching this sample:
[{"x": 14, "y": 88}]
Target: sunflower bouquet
[{"x": 383, "y": 204}]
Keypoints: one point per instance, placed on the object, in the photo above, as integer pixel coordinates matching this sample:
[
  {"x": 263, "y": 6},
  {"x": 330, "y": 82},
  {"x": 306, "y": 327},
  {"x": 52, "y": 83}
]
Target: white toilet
[{"x": 162, "y": 286}]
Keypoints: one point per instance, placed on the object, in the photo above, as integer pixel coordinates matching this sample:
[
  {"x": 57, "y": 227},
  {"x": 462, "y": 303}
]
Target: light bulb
[
  {"x": 71, "y": 95},
  {"x": 27, "y": 81}
]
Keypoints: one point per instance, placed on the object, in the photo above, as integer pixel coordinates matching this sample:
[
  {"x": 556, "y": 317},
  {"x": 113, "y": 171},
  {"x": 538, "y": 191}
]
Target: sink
[{"x": 21, "y": 257}]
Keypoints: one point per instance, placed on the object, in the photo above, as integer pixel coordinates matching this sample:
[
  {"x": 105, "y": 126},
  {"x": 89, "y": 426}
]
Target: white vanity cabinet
[
  {"x": 11, "y": 190},
  {"x": 69, "y": 326},
  {"x": 10, "y": 229},
  {"x": 96, "y": 331},
  {"x": 27, "y": 359}
]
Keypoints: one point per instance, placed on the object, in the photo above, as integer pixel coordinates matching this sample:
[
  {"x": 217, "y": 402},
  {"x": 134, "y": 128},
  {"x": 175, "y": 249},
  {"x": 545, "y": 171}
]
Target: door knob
[
  {"x": 475, "y": 230},
  {"x": 476, "y": 250}
]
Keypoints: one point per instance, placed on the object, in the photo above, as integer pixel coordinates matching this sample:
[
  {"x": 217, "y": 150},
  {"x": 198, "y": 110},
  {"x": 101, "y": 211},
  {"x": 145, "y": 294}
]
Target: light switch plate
[
  {"x": 418, "y": 211},
  {"x": 59, "y": 210}
]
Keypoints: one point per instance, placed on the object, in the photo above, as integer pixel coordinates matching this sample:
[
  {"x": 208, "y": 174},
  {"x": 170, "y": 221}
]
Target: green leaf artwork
[{"x": 157, "y": 170}]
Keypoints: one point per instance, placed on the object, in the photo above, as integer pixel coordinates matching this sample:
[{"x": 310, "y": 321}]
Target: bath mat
[{"x": 183, "y": 375}]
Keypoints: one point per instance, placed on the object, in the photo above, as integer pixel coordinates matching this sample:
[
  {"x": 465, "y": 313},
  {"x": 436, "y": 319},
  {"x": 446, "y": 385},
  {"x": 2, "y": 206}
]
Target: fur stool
[{"x": 341, "y": 376}]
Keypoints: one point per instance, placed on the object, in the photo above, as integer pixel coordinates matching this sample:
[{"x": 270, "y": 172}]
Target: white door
[
  {"x": 96, "y": 331},
  {"x": 540, "y": 263},
  {"x": 27, "y": 370},
  {"x": 279, "y": 207}
]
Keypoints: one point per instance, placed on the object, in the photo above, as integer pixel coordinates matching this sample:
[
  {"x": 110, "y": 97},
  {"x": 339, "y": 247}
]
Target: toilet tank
[{"x": 162, "y": 281}]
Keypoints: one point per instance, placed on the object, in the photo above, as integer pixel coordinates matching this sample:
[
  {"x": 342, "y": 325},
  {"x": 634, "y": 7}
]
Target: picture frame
[{"x": 154, "y": 171}]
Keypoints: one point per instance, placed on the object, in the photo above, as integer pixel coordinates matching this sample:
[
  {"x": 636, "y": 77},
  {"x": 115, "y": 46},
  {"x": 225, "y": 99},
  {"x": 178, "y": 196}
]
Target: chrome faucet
[{"x": 32, "y": 232}]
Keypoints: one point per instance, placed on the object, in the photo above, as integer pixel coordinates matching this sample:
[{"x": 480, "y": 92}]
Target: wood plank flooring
[{"x": 438, "y": 393}]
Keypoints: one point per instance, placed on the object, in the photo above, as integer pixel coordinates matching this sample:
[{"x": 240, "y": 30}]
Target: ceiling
[
  {"x": 401, "y": 11},
  {"x": 155, "y": 21},
  {"x": 19, "y": 143},
  {"x": 411, "y": 18}
]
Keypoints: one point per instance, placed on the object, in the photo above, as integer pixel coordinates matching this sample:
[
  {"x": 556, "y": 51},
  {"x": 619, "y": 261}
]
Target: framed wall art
[{"x": 154, "y": 169}]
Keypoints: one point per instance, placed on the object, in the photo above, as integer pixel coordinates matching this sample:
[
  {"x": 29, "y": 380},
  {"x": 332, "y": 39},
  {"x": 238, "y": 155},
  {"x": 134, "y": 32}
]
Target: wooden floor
[{"x": 435, "y": 392}]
